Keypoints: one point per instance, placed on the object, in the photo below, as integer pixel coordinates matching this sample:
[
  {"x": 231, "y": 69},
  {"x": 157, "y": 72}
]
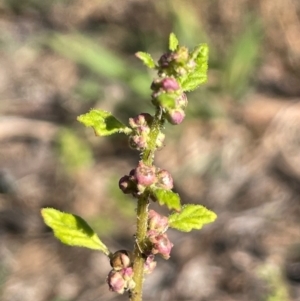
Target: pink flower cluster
[
  {"x": 177, "y": 63},
  {"x": 144, "y": 176},
  {"x": 120, "y": 277},
  {"x": 157, "y": 226},
  {"x": 139, "y": 138},
  {"x": 167, "y": 92},
  {"x": 168, "y": 95}
]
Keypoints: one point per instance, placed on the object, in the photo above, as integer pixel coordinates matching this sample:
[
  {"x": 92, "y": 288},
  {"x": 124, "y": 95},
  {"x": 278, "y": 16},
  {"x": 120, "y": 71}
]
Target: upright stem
[
  {"x": 139, "y": 260},
  {"x": 142, "y": 215}
]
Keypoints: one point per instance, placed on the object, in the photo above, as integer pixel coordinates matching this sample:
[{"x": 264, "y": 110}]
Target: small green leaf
[
  {"x": 146, "y": 58},
  {"x": 191, "y": 217},
  {"x": 72, "y": 230},
  {"x": 167, "y": 100},
  {"x": 173, "y": 42},
  {"x": 199, "y": 75},
  {"x": 193, "y": 81},
  {"x": 103, "y": 123},
  {"x": 168, "y": 198}
]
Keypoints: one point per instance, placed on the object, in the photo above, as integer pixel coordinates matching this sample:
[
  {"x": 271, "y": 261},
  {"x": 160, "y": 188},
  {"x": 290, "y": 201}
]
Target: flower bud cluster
[
  {"x": 120, "y": 278},
  {"x": 167, "y": 91},
  {"x": 157, "y": 226},
  {"x": 177, "y": 63},
  {"x": 139, "y": 138},
  {"x": 144, "y": 176},
  {"x": 168, "y": 95}
]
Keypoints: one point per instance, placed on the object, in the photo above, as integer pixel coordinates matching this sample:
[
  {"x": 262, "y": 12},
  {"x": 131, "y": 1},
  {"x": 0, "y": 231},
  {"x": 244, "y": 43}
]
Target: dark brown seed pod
[{"x": 121, "y": 259}]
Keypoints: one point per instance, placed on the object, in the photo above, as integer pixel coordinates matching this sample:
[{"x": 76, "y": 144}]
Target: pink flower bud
[
  {"x": 169, "y": 84},
  {"x": 138, "y": 142},
  {"x": 119, "y": 281},
  {"x": 157, "y": 223},
  {"x": 116, "y": 282},
  {"x": 150, "y": 264},
  {"x": 121, "y": 259},
  {"x": 164, "y": 179},
  {"x": 127, "y": 273},
  {"x": 161, "y": 245},
  {"x": 166, "y": 84},
  {"x": 145, "y": 175},
  {"x": 175, "y": 116},
  {"x": 143, "y": 119},
  {"x": 141, "y": 129}
]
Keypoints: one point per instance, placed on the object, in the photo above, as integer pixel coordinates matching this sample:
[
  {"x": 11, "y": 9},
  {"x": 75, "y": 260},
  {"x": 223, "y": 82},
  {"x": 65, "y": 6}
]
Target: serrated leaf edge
[
  {"x": 124, "y": 129},
  {"x": 162, "y": 203},
  {"x": 173, "y": 40},
  {"x": 190, "y": 228},
  {"x": 152, "y": 63}
]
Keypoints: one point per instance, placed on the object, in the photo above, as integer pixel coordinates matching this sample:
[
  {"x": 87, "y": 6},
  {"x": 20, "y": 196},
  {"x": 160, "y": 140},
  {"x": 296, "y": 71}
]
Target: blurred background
[{"x": 237, "y": 151}]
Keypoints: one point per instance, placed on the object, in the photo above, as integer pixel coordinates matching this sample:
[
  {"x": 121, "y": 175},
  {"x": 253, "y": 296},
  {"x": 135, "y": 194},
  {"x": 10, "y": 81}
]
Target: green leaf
[
  {"x": 191, "y": 217},
  {"x": 168, "y": 198},
  {"x": 72, "y": 230},
  {"x": 199, "y": 75},
  {"x": 146, "y": 58},
  {"x": 173, "y": 42},
  {"x": 103, "y": 123},
  {"x": 167, "y": 100}
]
